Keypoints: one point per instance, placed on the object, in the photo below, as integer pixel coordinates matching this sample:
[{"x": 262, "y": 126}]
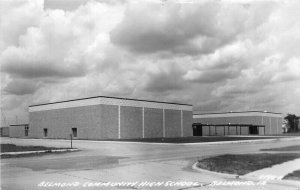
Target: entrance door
[
  {"x": 197, "y": 130},
  {"x": 253, "y": 130}
]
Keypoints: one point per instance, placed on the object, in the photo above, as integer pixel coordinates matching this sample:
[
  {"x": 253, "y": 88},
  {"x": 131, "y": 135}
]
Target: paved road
[{"x": 128, "y": 162}]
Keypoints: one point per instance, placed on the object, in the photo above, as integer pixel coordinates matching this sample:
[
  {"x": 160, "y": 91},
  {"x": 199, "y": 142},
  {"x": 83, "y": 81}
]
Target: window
[
  {"x": 45, "y": 132},
  {"x": 74, "y": 132},
  {"x": 26, "y": 131}
]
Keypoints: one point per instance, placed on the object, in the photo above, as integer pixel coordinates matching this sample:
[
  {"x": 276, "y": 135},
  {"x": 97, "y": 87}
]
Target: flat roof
[
  {"x": 236, "y": 112},
  {"x": 110, "y": 97},
  {"x": 228, "y": 124},
  {"x": 19, "y": 124}
]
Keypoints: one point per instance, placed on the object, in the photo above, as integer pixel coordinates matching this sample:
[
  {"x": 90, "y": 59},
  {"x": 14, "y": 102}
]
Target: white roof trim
[
  {"x": 109, "y": 101},
  {"x": 237, "y": 114}
]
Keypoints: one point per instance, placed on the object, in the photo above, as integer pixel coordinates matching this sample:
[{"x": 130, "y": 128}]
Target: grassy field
[
  {"x": 288, "y": 148},
  {"x": 15, "y": 148},
  {"x": 293, "y": 176},
  {"x": 291, "y": 134},
  {"x": 7, "y": 148},
  {"x": 196, "y": 139},
  {"x": 244, "y": 163}
]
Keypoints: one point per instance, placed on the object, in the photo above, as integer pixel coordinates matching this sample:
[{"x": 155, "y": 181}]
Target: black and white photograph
[{"x": 150, "y": 94}]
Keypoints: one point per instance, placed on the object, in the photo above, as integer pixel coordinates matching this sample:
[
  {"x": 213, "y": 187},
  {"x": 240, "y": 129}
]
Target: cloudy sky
[{"x": 216, "y": 55}]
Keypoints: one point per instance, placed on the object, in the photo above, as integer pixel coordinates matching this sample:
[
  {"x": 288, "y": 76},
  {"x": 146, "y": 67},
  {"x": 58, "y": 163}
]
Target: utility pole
[{"x": 3, "y": 119}]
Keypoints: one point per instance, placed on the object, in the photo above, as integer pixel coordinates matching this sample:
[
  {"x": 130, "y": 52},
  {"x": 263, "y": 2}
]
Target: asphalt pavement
[{"x": 125, "y": 165}]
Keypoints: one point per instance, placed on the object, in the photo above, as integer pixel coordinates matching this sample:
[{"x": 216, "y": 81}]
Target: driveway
[{"x": 144, "y": 165}]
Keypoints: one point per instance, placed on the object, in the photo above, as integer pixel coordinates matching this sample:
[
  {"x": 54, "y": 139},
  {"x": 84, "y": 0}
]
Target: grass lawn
[
  {"x": 6, "y": 148},
  {"x": 287, "y": 148},
  {"x": 242, "y": 164},
  {"x": 293, "y": 176},
  {"x": 15, "y": 148},
  {"x": 291, "y": 134},
  {"x": 196, "y": 139}
]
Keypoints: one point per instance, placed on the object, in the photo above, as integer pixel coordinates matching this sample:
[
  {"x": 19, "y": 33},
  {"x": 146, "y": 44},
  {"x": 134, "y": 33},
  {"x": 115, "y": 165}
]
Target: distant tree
[{"x": 293, "y": 121}]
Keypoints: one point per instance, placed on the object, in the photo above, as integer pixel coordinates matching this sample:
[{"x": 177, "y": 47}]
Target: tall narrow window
[
  {"x": 74, "y": 132},
  {"x": 26, "y": 130},
  {"x": 45, "y": 132}
]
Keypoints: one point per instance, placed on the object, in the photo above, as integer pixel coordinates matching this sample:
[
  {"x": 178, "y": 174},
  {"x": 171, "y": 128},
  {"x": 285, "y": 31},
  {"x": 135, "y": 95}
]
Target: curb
[
  {"x": 213, "y": 173},
  {"x": 246, "y": 141},
  {"x": 272, "y": 139},
  {"x": 207, "y": 143},
  {"x": 38, "y": 151},
  {"x": 249, "y": 178}
]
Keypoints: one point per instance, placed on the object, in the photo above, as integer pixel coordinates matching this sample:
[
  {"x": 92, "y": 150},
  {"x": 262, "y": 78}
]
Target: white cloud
[
  {"x": 288, "y": 71},
  {"x": 16, "y": 17},
  {"x": 186, "y": 28},
  {"x": 214, "y": 54}
]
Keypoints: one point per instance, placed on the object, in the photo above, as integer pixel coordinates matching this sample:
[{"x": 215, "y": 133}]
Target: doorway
[
  {"x": 197, "y": 129},
  {"x": 74, "y": 132},
  {"x": 253, "y": 130},
  {"x": 45, "y": 132}
]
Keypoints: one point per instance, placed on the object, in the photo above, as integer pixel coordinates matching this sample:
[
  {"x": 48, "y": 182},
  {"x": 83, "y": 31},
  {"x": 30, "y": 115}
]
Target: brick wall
[
  {"x": 92, "y": 122},
  {"x": 102, "y": 121},
  {"x": 153, "y": 123},
  {"x": 131, "y": 122},
  {"x": 172, "y": 123},
  {"x": 187, "y": 123}
]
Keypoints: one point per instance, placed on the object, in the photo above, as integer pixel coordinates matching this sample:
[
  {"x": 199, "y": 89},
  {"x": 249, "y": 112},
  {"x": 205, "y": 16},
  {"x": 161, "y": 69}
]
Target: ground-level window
[
  {"x": 26, "y": 131},
  {"x": 45, "y": 132},
  {"x": 74, "y": 132}
]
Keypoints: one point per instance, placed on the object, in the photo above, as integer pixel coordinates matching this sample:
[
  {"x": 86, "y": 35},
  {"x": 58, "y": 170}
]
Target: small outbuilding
[
  {"x": 19, "y": 131},
  {"x": 4, "y": 131}
]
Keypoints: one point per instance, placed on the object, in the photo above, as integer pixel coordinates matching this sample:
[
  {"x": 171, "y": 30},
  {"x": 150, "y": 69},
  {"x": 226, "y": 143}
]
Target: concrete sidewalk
[{"x": 276, "y": 172}]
